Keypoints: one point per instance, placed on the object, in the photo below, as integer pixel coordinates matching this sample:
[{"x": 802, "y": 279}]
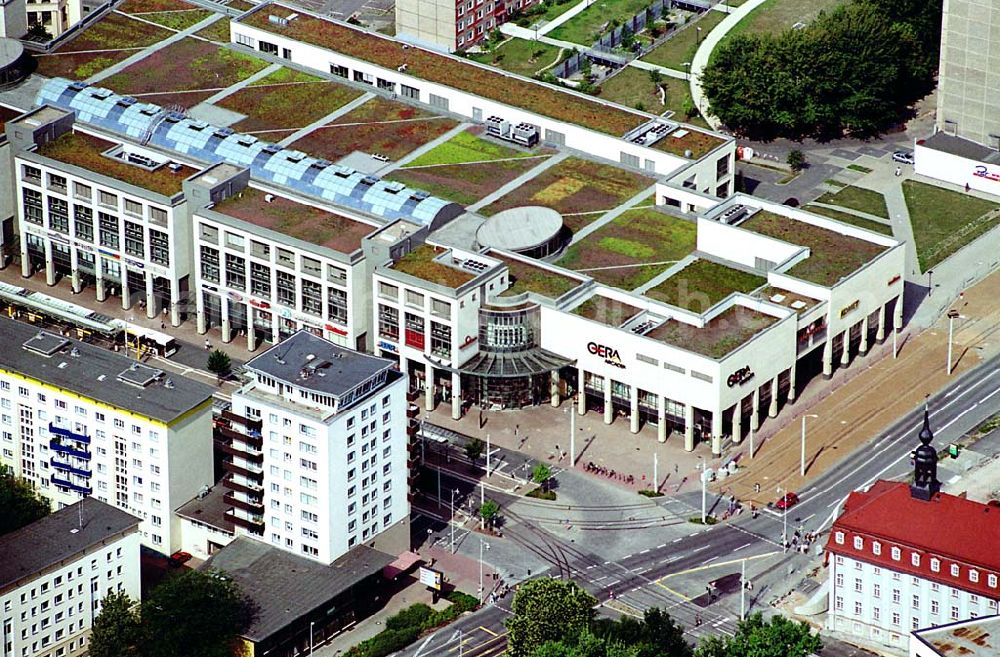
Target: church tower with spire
[{"x": 925, "y": 483}]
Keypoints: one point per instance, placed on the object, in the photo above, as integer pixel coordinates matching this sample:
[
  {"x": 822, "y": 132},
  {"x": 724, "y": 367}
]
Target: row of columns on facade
[
  {"x": 76, "y": 279},
  {"x": 225, "y": 324},
  {"x": 689, "y": 436}
]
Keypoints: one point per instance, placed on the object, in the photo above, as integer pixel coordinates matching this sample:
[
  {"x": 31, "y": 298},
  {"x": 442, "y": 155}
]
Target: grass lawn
[
  {"x": 466, "y": 147},
  {"x": 79, "y": 65},
  {"x": 575, "y": 186},
  {"x": 858, "y": 167},
  {"x": 681, "y": 47},
  {"x": 464, "y": 183},
  {"x": 241, "y": 5},
  {"x": 152, "y": 6},
  {"x": 843, "y": 217},
  {"x": 944, "y": 221},
  {"x": 587, "y": 26},
  {"x": 378, "y": 126},
  {"x": 632, "y": 87},
  {"x": 115, "y": 31},
  {"x": 606, "y": 310},
  {"x": 188, "y": 65},
  {"x": 857, "y": 198},
  {"x": 554, "y": 9},
  {"x": 217, "y": 31},
  {"x": 832, "y": 255},
  {"x": 276, "y": 105},
  {"x": 639, "y": 244},
  {"x": 529, "y": 278},
  {"x": 702, "y": 284},
  {"x": 180, "y": 20},
  {"x": 729, "y": 330},
  {"x": 520, "y": 56},
  {"x": 776, "y": 15}
]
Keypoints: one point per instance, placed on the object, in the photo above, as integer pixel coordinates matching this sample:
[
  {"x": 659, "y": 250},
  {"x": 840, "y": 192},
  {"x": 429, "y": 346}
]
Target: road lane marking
[
  {"x": 678, "y": 540},
  {"x": 488, "y": 631},
  {"x": 660, "y": 547},
  {"x": 644, "y": 551},
  {"x": 742, "y": 546},
  {"x": 708, "y": 561}
]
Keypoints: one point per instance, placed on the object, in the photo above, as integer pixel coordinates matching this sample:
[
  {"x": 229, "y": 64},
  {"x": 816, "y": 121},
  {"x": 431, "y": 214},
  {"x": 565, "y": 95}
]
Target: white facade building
[
  {"x": 104, "y": 212},
  {"x": 78, "y": 421},
  {"x": 500, "y": 330},
  {"x": 904, "y": 557},
  {"x": 311, "y": 274},
  {"x": 692, "y": 159},
  {"x": 319, "y": 446},
  {"x": 56, "y": 571}
]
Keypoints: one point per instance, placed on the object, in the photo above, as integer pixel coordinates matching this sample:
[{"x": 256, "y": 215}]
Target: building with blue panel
[{"x": 208, "y": 144}]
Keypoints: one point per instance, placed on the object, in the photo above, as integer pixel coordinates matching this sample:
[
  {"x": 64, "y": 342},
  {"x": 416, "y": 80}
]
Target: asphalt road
[{"x": 636, "y": 581}]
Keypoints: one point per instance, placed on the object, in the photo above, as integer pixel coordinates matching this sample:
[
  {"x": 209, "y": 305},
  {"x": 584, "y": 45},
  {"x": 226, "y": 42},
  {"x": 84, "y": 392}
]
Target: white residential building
[
  {"x": 904, "y": 557},
  {"x": 78, "y": 420},
  {"x": 56, "y": 571},
  {"x": 319, "y": 446}
]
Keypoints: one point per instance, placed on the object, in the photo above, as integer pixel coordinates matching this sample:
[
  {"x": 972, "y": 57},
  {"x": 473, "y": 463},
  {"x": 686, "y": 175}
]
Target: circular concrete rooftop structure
[
  {"x": 532, "y": 230},
  {"x": 13, "y": 61}
]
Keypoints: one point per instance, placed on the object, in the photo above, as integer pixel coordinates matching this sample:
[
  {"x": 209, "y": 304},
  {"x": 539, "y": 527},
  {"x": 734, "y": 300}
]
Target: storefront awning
[{"x": 516, "y": 364}]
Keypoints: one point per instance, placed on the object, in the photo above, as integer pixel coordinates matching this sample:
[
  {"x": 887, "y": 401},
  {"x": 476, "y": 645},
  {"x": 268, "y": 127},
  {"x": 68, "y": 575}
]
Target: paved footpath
[{"x": 704, "y": 53}]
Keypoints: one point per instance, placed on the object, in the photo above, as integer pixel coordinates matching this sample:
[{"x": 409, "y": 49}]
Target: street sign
[{"x": 431, "y": 578}]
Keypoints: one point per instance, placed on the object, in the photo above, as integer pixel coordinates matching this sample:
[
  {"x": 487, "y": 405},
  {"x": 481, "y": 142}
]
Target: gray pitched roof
[
  {"x": 50, "y": 540},
  {"x": 285, "y": 586},
  {"x": 94, "y": 372},
  {"x": 337, "y": 369}
]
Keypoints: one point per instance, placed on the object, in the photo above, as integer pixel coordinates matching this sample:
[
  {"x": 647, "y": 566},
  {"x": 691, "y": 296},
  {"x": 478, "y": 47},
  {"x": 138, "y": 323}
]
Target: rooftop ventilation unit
[
  {"x": 401, "y": 68},
  {"x": 474, "y": 266},
  {"x": 127, "y": 101},
  {"x": 277, "y": 20},
  {"x": 139, "y": 375},
  {"x": 420, "y": 195},
  {"x": 291, "y": 17},
  {"x": 369, "y": 180},
  {"x": 733, "y": 214},
  {"x": 45, "y": 344}
]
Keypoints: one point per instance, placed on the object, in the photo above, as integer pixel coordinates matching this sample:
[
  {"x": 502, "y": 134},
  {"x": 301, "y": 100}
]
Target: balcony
[
  {"x": 229, "y": 466},
  {"x": 66, "y": 433},
  {"x": 229, "y": 433},
  {"x": 255, "y": 508},
  {"x": 249, "y": 487},
  {"x": 55, "y": 445},
  {"x": 252, "y": 425},
  {"x": 232, "y": 450},
  {"x": 59, "y": 465},
  {"x": 65, "y": 483},
  {"x": 253, "y": 524}
]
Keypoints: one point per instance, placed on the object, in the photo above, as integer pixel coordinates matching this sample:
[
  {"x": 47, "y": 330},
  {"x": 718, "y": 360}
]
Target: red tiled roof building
[{"x": 904, "y": 557}]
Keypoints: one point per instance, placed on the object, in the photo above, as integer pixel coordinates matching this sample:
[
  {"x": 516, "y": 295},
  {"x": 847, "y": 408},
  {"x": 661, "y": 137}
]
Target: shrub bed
[{"x": 403, "y": 628}]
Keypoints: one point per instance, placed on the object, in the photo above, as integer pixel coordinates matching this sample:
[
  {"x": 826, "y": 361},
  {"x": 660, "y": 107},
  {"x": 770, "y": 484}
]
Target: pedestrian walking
[
  {"x": 208, "y": 345},
  {"x": 899, "y": 171},
  {"x": 163, "y": 325}
]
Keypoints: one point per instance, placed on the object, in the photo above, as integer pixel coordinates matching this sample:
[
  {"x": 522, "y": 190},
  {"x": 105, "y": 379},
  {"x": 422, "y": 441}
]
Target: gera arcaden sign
[
  {"x": 982, "y": 171},
  {"x": 609, "y": 354}
]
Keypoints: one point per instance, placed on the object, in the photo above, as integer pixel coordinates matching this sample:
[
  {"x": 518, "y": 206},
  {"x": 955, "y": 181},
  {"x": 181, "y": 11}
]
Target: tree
[
  {"x": 541, "y": 475},
  {"x": 474, "y": 449},
  {"x": 547, "y": 610},
  {"x": 797, "y": 160},
  {"x": 776, "y": 637},
  {"x": 195, "y": 613},
  {"x": 116, "y": 630},
  {"x": 488, "y": 511},
  {"x": 219, "y": 363},
  {"x": 19, "y": 504}
]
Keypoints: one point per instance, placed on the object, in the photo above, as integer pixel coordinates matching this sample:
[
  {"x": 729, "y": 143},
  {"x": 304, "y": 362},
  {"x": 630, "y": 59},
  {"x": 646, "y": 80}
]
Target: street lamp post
[
  {"x": 784, "y": 520},
  {"x": 952, "y": 316},
  {"x": 451, "y": 522},
  {"x": 311, "y": 625},
  {"x": 802, "y": 465},
  {"x": 701, "y": 466},
  {"x": 930, "y": 282},
  {"x": 687, "y": 70},
  {"x": 487, "y": 455},
  {"x": 572, "y": 434},
  {"x": 743, "y": 591},
  {"x": 482, "y": 544}
]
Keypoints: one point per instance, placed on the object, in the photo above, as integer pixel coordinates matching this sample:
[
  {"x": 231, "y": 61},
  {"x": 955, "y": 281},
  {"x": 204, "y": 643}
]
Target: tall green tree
[
  {"x": 19, "y": 504},
  {"x": 541, "y": 475},
  {"x": 655, "y": 635},
  {"x": 195, "y": 613},
  {"x": 547, "y": 610},
  {"x": 219, "y": 362},
  {"x": 116, "y": 630},
  {"x": 474, "y": 448},
  {"x": 775, "y": 637}
]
